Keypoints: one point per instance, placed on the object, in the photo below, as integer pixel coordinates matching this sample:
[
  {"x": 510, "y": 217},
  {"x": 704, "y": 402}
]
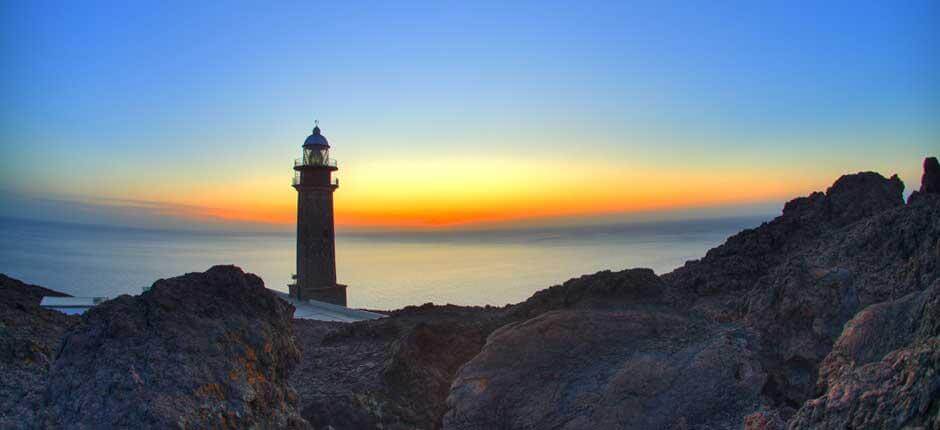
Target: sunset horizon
[
  {"x": 553, "y": 112},
  {"x": 485, "y": 215}
]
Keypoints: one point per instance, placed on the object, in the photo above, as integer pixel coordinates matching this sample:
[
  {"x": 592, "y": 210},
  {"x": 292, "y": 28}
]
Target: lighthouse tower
[{"x": 316, "y": 253}]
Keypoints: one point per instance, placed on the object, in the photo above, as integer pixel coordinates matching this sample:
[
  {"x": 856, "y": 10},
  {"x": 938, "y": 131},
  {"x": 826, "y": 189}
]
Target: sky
[{"x": 450, "y": 114}]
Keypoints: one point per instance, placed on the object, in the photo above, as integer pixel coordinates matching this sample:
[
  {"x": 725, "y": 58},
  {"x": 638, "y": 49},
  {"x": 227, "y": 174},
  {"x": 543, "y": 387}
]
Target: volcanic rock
[
  {"x": 930, "y": 180},
  {"x": 202, "y": 350},
  {"x": 390, "y": 373},
  {"x": 608, "y": 369},
  {"x": 884, "y": 371},
  {"x": 602, "y": 290},
  {"x": 29, "y": 338},
  {"x": 751, "y": 254},
  {"x": 783, "y": 291}
]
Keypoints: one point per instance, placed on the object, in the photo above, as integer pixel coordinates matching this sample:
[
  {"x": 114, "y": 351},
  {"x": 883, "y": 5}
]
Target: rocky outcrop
[
  {"x": 884, "y": 371},
  {"x": 203, "y": 350},
  {"x": 751, "y": 254},
  {"x": 800, "y": 307},
  {"x": 782, "y": 290},
  {"x": 608, "y": 369},
  {"x": 602, "y": 290},
  {"x": 930, "y": 181},
  {"x": 797, "y": 279},
  {"x": 29, "y": 338}
]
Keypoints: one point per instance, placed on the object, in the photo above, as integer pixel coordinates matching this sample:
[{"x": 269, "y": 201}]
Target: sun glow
[{"x": 453, "y": 192}]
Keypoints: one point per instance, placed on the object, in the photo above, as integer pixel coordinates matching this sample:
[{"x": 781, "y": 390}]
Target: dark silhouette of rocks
[
  {"x": 202, "y": 350},
  {"x": 825, "y": 317},
  {"x": 781, "y": 292},
  {"x": 392, "y": 373},
  {"x": 29, "y": 337},
  {"x": 930, "y": 181}
]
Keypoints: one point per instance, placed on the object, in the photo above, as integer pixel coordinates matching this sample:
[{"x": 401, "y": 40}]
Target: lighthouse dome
[{"x": 316, "y": 139}]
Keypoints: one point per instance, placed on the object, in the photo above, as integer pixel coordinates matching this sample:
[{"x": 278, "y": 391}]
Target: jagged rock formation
[
  {"x": 29, "y": 337},
  {"x": 784, "y": 289},
  {"x": 202, "y": 350},
  {"x": 930, "y": 181}
]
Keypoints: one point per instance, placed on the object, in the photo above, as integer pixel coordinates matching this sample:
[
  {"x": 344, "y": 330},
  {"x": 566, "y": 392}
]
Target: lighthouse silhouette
[{"x": 316, "y": 252}]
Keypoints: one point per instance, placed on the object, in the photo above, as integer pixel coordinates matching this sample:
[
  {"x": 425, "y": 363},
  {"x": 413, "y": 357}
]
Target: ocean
[{"x": 382, "y": 270}]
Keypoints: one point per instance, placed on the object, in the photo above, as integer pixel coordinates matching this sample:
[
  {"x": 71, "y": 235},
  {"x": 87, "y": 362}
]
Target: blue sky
[{"x": 175, "y": 104}]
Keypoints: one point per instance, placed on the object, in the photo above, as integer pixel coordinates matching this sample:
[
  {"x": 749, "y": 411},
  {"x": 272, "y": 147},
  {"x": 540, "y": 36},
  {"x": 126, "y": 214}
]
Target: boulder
[
  {"x": 202, "y": 350},
  {"x": 576, "y": 369}
]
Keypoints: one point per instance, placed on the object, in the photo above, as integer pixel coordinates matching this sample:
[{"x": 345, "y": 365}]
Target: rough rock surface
[
  {"x": 392, "y": 373},
  {"x": 785, "y": 289},
  {"x": 29, "y": 337},
  {"x": 608, "y": 369},
  {"x": 797, "y": 279},
  {"x": 884, "y": 371},
  {"x": 202, "y": 350}
]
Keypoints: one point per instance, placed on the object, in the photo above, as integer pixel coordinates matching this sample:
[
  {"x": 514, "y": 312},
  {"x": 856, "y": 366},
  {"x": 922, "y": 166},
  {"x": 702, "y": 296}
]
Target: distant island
[{"x": 826, "y": 317}]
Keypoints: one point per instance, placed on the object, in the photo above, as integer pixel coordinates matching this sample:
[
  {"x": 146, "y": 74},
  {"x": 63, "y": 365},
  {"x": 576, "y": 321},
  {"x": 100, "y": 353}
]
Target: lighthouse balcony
[
  {"x": 314, "y": 162},
  {"x": 296, "y": 181}
]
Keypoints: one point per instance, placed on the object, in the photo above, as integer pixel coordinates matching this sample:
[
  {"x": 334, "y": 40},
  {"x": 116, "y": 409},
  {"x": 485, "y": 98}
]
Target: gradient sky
[{"x": 441, "y": 114}]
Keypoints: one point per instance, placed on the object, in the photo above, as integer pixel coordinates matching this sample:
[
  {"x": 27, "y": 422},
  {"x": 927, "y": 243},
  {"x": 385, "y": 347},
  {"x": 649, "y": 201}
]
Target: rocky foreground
[{"x": 827, "y": 317}]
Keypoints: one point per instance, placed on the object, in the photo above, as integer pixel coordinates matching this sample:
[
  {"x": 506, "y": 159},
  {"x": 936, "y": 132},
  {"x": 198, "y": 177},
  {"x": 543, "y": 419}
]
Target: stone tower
[{"x": 316, "y": 253}]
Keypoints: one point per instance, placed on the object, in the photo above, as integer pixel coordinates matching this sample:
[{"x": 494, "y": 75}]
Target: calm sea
[{"x": 383, "y": 270}]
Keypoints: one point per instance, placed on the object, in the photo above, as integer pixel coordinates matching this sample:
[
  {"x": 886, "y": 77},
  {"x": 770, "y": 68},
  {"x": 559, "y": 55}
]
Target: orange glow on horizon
[{"x": 448, "y": 193}]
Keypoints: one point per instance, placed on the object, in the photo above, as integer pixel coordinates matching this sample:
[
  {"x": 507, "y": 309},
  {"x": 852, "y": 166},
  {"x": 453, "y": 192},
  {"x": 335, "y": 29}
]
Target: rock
[
  {"x": 602, "y": 290},
  {"x": 608, "y": 369},
  {"x": 787, "y": 286},
  {"x": 29, "y": 339},
  {"x": 391, "y": 373},
  {"x": 14, "y": 293},
  {"x": 884, "y": 371},
  {"x": 751, "y": 254},
  {"x": 764, "y": 420},
  {"x": 797, "y": 279},
  {"x": 825, "y": 317},
  {"x": 201, "y": 350},
  {"x": 930, "y": 180},
  {"x": 801, "y": 305},
  {"x": 421, "y": 366},
  {"x": 853, "y": 197}
]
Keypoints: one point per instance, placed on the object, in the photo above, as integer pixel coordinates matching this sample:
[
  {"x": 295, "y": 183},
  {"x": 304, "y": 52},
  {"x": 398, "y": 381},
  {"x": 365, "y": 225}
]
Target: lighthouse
[{"x": 316, "y": 252}]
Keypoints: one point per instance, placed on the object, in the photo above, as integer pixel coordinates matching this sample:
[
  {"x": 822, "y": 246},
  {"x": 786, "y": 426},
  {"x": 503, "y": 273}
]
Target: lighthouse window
[{"x": 315, "y": 157}]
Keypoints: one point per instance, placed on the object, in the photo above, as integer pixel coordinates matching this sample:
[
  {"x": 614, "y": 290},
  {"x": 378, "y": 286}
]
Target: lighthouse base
[{"x": 335, "y": 294}]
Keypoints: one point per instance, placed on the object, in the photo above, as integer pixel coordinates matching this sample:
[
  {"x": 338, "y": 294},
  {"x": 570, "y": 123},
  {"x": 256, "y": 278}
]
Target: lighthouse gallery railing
[{"x": 328, "y": 162}]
